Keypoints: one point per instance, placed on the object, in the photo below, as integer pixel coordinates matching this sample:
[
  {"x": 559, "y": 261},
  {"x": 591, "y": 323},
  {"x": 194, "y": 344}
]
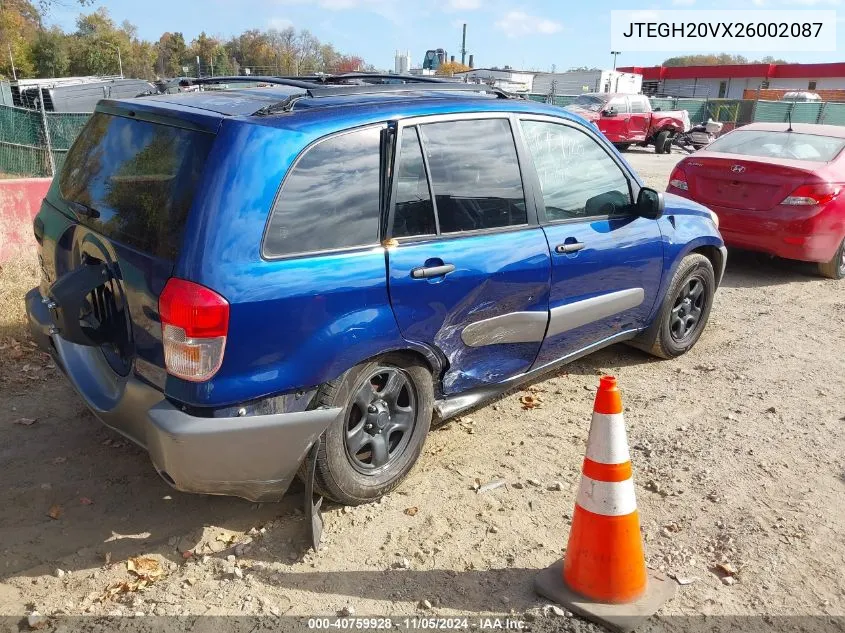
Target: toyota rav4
[{"x": 299, "y": 275}]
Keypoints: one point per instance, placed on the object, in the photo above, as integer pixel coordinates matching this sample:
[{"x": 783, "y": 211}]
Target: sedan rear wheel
[{"x": 835, "y": 268}]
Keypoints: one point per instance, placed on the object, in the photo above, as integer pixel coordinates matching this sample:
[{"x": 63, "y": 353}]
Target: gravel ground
[{"x": 738, "y": 459}]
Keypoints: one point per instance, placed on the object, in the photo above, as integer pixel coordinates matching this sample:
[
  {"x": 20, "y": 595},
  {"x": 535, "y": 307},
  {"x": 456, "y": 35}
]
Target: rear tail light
[
  {"x": 678, "y": 179},
  {"x": 812, "y": 194},
  {"x": 194, "y": 325}
]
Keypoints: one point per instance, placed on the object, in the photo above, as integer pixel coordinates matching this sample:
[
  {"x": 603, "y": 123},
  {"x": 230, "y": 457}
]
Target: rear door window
[
  {"x": 474, "y": 174},
  {"x": 137, "y": 178},
  {"x": 638, "y": 105},
  {"x": 330, "y": 199},
  {"x": 414, "y": 212},
  {"x": 774, "y": 144}
]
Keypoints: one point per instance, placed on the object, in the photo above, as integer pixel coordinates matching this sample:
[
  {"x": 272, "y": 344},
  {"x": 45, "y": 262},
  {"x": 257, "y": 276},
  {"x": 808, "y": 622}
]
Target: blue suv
[{"x": 298, "y": 275}]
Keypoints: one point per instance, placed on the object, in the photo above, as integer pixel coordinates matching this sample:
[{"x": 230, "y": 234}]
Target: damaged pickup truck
[
  {"x": 295, "y": 277},
  {"x": 628, "y": 119}
]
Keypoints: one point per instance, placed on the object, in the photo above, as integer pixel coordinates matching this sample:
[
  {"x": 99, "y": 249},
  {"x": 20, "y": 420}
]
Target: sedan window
[{"x": 776, "y": 144}]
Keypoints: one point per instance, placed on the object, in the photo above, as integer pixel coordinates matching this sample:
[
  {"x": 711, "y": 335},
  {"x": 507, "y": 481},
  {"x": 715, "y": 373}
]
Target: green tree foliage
[
  {"x": 722, "y": 59},
  {"x": 92, "y": 49},
  {"x": 50, "y": 53}
]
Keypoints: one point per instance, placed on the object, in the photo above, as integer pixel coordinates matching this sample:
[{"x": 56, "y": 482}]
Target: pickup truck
[{"x": 628, "y": 119}]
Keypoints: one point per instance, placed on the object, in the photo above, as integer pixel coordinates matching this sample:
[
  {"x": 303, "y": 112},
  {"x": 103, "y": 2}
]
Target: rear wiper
[{"x": 83, "y": 209}]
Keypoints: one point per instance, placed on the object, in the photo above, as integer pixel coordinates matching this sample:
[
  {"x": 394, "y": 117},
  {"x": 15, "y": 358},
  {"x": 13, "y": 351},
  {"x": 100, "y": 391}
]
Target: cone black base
[{"x": 617, "y": 617}]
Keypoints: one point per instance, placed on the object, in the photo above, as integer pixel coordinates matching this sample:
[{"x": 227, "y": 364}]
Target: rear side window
[
  {"x": 414, "y": 213},
  {"x": 137, "y": 178},
  {"x": 637, "y": 104},
  {"x": 330, "y": 199},
  {"x": 772, "y": 144},
  {"x": 475, "y": 174}
]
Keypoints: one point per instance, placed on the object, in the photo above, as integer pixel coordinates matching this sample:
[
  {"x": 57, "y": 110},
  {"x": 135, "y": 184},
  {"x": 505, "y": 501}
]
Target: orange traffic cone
[{"x": 603, "y": 576}]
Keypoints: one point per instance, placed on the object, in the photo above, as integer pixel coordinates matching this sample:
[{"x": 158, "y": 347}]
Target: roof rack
[{"x": 338, "y": 85}]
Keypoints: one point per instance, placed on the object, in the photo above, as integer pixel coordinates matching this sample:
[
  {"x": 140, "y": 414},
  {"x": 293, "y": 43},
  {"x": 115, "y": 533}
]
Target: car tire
[
  {"x": 623, "y": 147},
  {"x": 347, "y": 478},
  {"x": 835, "y": 268},
  {"x": 671, "y": 335},
  {"x": 662, "y": 144}
]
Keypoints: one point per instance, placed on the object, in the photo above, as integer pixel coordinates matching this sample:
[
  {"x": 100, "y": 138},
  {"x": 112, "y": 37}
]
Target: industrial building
[
  {"x": 568, "y": 83},
  {"x": 738, "y": 81}
]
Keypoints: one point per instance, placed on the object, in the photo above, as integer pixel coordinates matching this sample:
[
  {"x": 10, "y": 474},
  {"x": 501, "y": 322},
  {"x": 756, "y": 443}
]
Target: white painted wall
[
  {"x": 710, "y": 87},
  {"x": 574, "y": 83},
  {"x": 823, "y": 83}
]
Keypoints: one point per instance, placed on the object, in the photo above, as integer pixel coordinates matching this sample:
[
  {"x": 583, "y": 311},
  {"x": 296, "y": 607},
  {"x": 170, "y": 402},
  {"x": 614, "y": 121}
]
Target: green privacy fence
[
  {"x": 737, "y": 111},
  {"x": 33, "y": 143}
]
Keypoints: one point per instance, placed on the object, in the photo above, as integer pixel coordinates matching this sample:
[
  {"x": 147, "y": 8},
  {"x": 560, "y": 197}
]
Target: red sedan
[{"x": 776, "y": 188}]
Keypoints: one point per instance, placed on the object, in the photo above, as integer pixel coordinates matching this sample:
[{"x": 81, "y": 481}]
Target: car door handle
[
  {"x": 572, "y": 247},
  {"x": 432, "y": 271}
]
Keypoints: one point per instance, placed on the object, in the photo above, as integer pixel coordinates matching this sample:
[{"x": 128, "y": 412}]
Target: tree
[
  {"x": 171, "y": 55},
  {"x": 448, "y": 69},
  {"x": 722, "y": 59},
  {"x": 92, "y": 49},
  {"x": 50, "y": 53},
  {"x": 20, "y": 22}
]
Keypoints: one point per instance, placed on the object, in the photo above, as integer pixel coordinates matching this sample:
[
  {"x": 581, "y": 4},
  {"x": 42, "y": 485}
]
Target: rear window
[
  {"x": 773, "y": 144},
  {"x": 138, "y": 178},
  {"x": 330, "y": 200}
]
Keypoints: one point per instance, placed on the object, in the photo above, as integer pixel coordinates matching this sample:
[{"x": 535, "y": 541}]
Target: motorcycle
[{"x": 700, "y": 135}]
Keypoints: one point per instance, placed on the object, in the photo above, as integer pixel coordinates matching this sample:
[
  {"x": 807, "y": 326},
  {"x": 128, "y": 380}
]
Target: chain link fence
[
  {"x": 34, "y": 143},
  {"x": 735, "y": 112}
]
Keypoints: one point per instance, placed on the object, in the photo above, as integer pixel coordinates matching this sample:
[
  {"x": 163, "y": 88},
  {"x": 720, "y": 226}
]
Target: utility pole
[
  {"x": 211, "y": 63},
  {"x": 464, "y": 47},
  {"x": 12, "y": 59},
  {"x": 615, "y": 53}
]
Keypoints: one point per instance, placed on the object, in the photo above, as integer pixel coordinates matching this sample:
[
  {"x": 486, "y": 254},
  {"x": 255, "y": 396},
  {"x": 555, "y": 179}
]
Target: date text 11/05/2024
[{"x": 417, "y": 624}]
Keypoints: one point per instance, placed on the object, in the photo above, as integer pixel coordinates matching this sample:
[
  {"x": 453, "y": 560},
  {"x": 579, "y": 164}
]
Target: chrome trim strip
[
  {"x": 451, "y": 406},
  {"x": 514, "y": 327},
  {"x": 572, "y": 315}
]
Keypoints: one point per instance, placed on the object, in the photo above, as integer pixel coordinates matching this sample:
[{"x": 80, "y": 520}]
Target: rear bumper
[
  {"x": 254, "y": 457},
  {"x": 810, "y": 235}
]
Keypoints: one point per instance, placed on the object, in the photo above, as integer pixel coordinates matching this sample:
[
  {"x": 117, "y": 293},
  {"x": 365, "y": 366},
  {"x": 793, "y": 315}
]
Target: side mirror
[
  {"x": 650, "y": 203},
  {"x": 609, "y": 112}
]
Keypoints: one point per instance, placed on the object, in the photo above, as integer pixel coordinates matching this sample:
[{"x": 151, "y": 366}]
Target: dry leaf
[
  {"x": 144, "y": 567},
  {"x": 726, "y": 569},
  {"x": 412, "y": 511},
  {"x": 86, "y": 501},
  {"x": 25, "y": 421},
  {"x": 531, "y": 402},
  {"x": 55, "y": 512},
  {"x": 186, "y": 555}
]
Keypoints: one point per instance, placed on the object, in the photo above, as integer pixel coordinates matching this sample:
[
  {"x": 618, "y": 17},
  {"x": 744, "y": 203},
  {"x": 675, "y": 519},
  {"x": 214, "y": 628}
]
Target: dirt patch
[{"x": 738, "y": 459}]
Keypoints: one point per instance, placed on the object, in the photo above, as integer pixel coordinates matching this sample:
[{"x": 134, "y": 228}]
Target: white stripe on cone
[
  {"x": 607, "y": 498},
  {"x": 608, "y": 442}
]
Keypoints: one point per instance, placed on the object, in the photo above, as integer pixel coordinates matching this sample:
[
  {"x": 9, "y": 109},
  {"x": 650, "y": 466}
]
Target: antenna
[{"x": 789, "y": 117}]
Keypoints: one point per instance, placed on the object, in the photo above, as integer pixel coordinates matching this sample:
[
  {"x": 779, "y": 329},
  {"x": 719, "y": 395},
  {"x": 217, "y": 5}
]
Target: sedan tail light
[
  {"x": 678, "y": 179},
  {"x": 812, "y": 194},
  {"x": 194, "y": 326}
]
